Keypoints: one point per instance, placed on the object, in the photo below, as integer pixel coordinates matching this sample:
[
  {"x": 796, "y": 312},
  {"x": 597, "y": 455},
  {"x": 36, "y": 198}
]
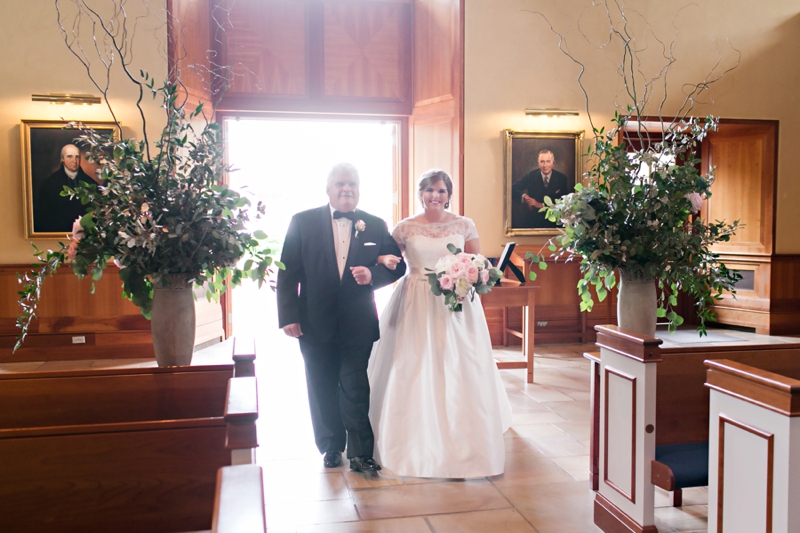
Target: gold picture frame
[
  {"x": 42, "y": 142},
  {"x": 522, "y": 175}
]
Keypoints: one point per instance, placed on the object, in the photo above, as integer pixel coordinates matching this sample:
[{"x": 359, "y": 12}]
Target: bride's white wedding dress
[{"x": 438, "y": 407}]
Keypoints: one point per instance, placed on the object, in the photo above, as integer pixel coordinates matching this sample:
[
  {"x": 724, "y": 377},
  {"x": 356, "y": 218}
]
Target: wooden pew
[
  {"x": 754, "y": 467},
  {"x": 127, "y": 449},
  {"x": 673, "y": 412},
  {"x": 239, "y": 500}
]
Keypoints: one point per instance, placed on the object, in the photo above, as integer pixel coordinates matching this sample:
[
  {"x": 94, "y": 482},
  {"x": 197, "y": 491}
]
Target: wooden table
[{"x": 511, "y": 294}]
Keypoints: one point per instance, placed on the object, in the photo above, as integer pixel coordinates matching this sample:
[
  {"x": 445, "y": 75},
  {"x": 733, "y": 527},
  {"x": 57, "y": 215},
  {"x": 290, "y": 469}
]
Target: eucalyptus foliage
[
  {"x": 165, "y": 221},
  {"x": 634, "y": 212}
]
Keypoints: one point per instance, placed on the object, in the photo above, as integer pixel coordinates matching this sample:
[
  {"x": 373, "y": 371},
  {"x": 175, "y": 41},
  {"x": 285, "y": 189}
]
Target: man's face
[
  {"x": 546, "y": 162},
  {"x": 343, "y": 192},
  {"x": 71, "y": 158}
]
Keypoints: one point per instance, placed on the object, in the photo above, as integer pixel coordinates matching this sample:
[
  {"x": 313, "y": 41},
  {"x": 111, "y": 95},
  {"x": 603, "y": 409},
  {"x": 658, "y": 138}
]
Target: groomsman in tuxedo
[
  {"x": 326, "y": 301},
  {"x": 533, "y": 187}
]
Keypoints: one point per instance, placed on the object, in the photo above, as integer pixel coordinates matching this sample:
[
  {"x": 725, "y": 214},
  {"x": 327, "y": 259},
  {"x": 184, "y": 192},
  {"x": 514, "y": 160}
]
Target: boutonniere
[{"x": 359, "y": 226}]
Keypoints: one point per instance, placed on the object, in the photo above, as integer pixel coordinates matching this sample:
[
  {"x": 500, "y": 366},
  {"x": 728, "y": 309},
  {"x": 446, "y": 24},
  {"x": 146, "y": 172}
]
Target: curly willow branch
[{"x": 630, "y": 69}]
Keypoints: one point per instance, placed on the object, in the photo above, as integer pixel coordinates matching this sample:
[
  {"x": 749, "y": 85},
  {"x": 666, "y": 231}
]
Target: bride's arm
[{"x": 473, "y": 246}]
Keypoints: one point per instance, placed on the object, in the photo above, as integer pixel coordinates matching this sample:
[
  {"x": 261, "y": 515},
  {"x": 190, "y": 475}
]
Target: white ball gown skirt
[{"x": 438, "y": 405}]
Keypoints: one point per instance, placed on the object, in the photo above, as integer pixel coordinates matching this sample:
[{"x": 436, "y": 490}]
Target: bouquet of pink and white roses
[{"x": 460, "y": 275}]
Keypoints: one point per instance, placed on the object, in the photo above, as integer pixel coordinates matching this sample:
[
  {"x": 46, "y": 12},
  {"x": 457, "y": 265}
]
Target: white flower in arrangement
[{"x": 463, "y": 287}]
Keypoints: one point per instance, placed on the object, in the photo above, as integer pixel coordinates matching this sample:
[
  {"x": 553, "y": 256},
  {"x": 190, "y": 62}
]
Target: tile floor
[{"x": 544, "y": 488}]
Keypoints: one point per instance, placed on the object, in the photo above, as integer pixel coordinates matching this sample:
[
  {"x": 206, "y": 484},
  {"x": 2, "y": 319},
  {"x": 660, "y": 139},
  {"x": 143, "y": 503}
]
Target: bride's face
[{"x": 435, "y": 196}]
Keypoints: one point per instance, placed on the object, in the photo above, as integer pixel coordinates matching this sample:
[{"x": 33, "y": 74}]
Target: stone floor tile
[
  {"x": 428, "y": 498},
  {"x": 392, "y": 525},
  {"x": 555, "y": 508},
  {"x": 577, "y": 430},
  {"x": 576, "y": 466},
  {"x": 558, "y": 445},
  {"x": 371, "y": 480},
  {"x": 500, "y": 521},
  {"x": 575, "y": 411},
  {"x": 542, "y": 393},
  {"x": 314, "y": 487},
  {"x": 284, "y": 515},
  {"x": 529, "y": 468}
]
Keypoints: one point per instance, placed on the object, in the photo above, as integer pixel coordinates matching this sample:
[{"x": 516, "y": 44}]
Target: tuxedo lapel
[
  {"x": 329, "y": 251},
  {"x": 352, "y": 251}
]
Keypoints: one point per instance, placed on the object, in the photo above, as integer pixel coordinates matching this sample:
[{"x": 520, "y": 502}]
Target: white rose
[{"x": 463, "y": 287}]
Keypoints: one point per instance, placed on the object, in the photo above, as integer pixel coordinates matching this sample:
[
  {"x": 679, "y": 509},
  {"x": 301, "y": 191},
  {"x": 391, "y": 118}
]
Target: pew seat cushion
[{"x": 687, "y": 461}]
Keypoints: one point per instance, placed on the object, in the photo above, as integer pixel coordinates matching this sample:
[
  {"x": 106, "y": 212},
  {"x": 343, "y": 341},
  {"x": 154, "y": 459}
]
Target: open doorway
[{"x": 284, "y": 162}]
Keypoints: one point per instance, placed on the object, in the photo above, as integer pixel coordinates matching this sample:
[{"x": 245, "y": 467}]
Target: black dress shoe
[
  {"x": 364, "y": 463},
  {"x": 332, "y": 459}
]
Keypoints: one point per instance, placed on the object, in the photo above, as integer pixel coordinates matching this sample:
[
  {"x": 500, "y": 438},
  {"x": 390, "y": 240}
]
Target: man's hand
[
  {"x": 293, "y": 330},
  {"x": 389, "y": 261},
  {"x": 362, "y": 275},
  {"x": 531, "y": 202}
]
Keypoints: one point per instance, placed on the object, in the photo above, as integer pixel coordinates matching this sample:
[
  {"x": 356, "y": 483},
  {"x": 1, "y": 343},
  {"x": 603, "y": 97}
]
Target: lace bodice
[{"x": 426, "y": 243}]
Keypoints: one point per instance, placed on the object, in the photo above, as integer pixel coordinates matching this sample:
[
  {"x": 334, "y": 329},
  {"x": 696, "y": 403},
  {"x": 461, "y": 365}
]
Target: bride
[{"x": 438, "y": 407}]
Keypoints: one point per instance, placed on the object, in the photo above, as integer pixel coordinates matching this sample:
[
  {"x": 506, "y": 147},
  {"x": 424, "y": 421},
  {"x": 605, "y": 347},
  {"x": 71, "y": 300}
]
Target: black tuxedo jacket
[{"x": 309, "y": 290}]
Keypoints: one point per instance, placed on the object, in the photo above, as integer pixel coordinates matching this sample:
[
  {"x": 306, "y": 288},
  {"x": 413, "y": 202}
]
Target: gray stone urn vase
[
  {"x": 173, "y": 323},
  {"x": 636, "y": 302}
]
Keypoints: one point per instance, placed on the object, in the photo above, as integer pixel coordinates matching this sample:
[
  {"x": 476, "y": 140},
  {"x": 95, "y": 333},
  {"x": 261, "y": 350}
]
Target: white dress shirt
[{"x": 342, "y": 229}]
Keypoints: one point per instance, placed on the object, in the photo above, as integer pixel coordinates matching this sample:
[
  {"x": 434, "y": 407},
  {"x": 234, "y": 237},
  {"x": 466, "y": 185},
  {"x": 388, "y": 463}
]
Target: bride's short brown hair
[{"x": 434, "y": 175}]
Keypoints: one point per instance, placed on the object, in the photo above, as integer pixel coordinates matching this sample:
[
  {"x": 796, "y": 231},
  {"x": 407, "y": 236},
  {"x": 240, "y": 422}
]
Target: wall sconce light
[
  {"x": 552, "y": 112},
  {"x": 66, "y": 99}
]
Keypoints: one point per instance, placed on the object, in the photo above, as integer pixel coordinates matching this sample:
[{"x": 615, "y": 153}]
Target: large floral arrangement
[
  {"x": 637, "y": 211},
  {"x": 459, "y": 275},
  {"x": 166, "y": 220}
]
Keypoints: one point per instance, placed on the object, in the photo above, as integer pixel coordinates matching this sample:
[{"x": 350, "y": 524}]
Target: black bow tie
[{"x": 350, "y": 214}]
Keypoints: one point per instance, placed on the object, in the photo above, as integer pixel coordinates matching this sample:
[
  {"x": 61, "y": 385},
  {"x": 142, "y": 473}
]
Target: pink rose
[
  {"x": 446, "y": 283},
  {"x": 472, "y": 273},
  {"x": 697, "y": 201},
  {"x": 485, "y": 276},
  {"x": 72, "y": 251},
  {"x": 456, "y": 270},
  {"x": 464, "y": 258}
]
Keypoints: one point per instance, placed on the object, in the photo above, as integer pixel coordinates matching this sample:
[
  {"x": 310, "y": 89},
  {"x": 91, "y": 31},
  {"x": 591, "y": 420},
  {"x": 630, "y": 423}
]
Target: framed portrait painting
[
  {"x": 538, "y": 164},
  {"x": 52, "y": 157}
]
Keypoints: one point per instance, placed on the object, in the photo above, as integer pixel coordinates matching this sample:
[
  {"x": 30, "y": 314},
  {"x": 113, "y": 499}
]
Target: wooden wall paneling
[
  {"x": 558, "y": 316},
  {"x": 266, "y": 43},
  {"x": 744, "y": 154},
  {"x": 437, "y": 120},
  {"x": 367, "y": 50},
  {"x": 189, "y": 46},
  {"x": 785, "y": 298},
  {"x": 319, "y": 56}
]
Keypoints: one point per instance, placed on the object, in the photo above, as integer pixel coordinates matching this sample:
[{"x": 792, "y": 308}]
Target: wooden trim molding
[
  {"x": 770, "y": 438},
  {"x": 628, "y": 343},
  {"x": 241, "y": 412},
  {"x": 632, "y": 379},
  {"x": 765, "y": 389},
  {"x": 662, "y": 476},
  {"x": 612, "y": 519}
]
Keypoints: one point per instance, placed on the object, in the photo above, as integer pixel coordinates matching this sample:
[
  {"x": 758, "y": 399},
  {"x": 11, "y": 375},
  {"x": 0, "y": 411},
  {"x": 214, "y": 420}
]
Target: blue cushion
[{"x": 688, "y": 461}]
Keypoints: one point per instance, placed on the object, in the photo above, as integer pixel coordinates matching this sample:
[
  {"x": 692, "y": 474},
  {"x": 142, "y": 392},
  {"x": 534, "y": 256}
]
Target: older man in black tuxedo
[{"x": 330, "y": 254}]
